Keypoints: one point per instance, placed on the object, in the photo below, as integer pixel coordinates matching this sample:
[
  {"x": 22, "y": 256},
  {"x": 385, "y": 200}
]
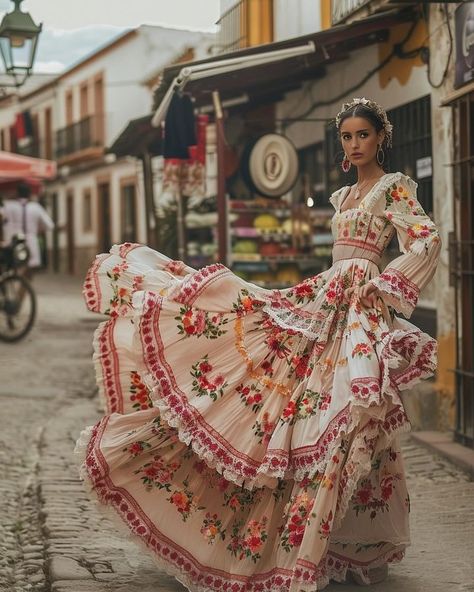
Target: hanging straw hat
[{"x": 272, "y": 165}]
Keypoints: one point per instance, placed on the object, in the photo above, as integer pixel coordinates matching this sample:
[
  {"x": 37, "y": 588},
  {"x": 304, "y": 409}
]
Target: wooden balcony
[{"x": 80, "y": 141}]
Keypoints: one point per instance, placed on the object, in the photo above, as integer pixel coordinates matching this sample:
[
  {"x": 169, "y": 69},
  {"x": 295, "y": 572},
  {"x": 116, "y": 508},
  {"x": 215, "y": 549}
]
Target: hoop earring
[
  {"x": 346, "y": 164},
  {"x": 380, "y": 160}
]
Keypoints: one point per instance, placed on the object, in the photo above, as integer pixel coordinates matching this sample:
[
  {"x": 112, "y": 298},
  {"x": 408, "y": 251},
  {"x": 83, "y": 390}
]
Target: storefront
[{"x": 276, "y": 241}]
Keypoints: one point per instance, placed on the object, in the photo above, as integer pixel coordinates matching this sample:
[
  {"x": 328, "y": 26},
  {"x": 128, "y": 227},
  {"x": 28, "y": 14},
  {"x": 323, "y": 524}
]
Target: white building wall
[
  {"x": 125, "y": 70},
  {"x": 341, "y": 76},
  {"x": 293, "y": 18}
]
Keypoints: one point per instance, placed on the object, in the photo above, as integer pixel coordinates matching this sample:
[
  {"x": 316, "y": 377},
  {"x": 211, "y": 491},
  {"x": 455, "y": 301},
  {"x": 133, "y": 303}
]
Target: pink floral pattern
[
  {"x": 139, "y": 393},
  {"x": 203, "y": 383},
  {"x": 196, "y": 322},
  {"x": 156, "y": 473},
  {"x": 259, "y": 426},
  {"x": 298, "y": 517},
  {"x": 251, "y": 544},
  {"x": 212, "y": 528}
]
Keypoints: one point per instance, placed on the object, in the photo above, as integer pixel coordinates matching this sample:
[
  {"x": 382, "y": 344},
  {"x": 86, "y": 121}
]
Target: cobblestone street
[{"x": 52, "y": 538}]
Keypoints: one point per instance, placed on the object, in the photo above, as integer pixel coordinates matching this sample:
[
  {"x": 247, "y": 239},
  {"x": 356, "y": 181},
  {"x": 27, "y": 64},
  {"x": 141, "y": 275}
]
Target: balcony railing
[
  {"x": 349, "y": 10},
  {"x": 233, "y": 28},
  {"x": 87, "y": 133}
]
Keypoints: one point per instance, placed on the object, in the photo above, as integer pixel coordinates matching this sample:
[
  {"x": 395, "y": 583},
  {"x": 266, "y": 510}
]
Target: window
[
  {"x": 87, "y": 210},
  {"x": 84, "y": 100},
  {"x": 129, "y": 218},
  {"x": 48, "y": 133},
  {"x": 69, "y": 108},
  {"x": 412, "y": 150}
]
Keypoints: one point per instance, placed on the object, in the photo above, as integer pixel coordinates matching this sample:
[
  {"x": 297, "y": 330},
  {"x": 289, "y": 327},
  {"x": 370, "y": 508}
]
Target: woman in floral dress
[{"x": 250, "y": 436}]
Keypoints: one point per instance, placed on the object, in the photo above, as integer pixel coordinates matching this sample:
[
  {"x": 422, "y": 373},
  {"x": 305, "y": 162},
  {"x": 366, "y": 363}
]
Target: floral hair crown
[{"x": 380, "y": 111}]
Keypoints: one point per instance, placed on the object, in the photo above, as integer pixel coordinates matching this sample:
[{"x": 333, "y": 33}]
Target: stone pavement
[{"x": 53, "y": 538}]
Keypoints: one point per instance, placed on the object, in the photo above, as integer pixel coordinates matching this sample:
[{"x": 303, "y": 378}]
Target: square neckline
[{"x": 339, "y": 211}]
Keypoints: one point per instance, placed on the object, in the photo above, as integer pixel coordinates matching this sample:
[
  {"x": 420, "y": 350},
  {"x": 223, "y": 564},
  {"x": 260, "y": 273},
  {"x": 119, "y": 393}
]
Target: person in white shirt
[{"x": 27, "y": 217}]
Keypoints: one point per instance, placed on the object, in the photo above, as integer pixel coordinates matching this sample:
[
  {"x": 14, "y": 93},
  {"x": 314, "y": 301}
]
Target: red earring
[{"x": 346, "y": 164}]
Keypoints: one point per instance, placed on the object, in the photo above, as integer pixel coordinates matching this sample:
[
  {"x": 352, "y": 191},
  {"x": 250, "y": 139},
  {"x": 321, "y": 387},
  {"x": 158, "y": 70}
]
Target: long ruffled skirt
[{"x": 250, "y": 436}]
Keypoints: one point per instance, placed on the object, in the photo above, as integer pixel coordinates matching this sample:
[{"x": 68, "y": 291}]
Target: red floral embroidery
[
  {"x": 106, "y": 357},
  {"x": 366, "y": 389},
  {"x": 178, "y": 559},
  {"x": 140, "y": 395},
  {"x": 175, "y": 267},
  {"x": 394, "y": 282},
  {"x": 195, "y": 283},
  {"x": 126, "y": 248},
  {"x": 298, "y": 518},
  {"x": 91, "y": 288}
]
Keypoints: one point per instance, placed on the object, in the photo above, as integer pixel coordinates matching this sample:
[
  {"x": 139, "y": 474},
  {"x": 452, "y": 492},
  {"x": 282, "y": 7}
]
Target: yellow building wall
[
  {"x": 445, "y": 379},
  {"x": 256, "y": 22},
  {"x": 401, "y": 68},
  {"x": 325, "y": 6}
]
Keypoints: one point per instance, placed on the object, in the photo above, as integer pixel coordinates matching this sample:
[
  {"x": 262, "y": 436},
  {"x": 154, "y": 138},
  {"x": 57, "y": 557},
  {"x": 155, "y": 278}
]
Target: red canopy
[{"x": 15, "y": 167}]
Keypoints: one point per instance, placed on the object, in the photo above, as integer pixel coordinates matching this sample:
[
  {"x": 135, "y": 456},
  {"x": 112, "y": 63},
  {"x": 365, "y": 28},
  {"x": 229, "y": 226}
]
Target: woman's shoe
[{"x": 374, "y": 576}]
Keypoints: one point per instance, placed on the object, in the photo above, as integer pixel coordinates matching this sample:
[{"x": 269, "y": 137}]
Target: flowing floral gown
[{"x": 250, "y": 435}]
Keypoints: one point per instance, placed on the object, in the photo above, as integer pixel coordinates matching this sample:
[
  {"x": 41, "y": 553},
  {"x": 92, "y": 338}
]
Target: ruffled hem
[
  {"x": 400, "y": 293},
  {"x": 411, "y": 352},
  {"x": 196, "y": 577},
  {"x": 212, "y": 447}
]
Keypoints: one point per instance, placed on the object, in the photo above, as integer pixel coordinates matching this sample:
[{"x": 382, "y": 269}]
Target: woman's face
[{"x": 360, "y": 140}]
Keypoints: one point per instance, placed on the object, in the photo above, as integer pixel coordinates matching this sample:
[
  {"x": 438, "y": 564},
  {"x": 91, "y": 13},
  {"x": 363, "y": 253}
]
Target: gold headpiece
[{"x": 387, "y": 126}]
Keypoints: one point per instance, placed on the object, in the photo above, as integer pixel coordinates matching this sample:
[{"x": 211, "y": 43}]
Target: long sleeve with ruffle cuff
[{"x": 403, "y": 279}]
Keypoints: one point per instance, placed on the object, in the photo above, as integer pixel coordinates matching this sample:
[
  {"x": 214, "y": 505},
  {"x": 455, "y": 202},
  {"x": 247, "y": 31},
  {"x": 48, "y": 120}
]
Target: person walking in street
[
  {"x": 23, "y": 216},
  {"x": 250, "y": 440}
]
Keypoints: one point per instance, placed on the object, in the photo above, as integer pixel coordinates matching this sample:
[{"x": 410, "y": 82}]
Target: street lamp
[{"x": 18, "y": 41}]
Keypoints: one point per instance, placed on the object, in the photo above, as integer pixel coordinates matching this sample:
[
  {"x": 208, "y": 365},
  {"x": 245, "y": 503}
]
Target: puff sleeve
[{"x": 403, "y": 279}]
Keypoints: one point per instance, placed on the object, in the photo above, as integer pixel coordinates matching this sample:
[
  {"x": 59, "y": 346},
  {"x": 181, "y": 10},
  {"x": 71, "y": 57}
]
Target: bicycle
[{"x": 17, "y": 297}]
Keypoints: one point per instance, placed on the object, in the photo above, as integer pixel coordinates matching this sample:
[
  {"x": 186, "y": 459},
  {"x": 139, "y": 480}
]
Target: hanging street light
[{"x": 18, "y": 40}]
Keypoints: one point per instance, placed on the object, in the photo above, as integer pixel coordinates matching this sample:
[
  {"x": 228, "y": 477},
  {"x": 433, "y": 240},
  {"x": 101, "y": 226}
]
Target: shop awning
[
  {"x": 268, "y": 82},
  {"x": 139, "y": 136},
  {"x": 14, "y": 167}
]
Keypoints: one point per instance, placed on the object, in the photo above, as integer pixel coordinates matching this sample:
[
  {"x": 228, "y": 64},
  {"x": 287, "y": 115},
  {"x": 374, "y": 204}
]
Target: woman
[{"x": 250, "y": 441}]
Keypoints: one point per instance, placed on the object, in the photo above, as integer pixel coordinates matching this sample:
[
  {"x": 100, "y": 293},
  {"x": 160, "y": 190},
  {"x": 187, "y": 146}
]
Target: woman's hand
[{"x": 367, "y": 294}]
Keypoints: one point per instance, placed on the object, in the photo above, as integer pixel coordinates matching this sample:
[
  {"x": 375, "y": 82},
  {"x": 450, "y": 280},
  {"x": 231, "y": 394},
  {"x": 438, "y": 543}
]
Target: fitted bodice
[{"x": 359, "y": 233}]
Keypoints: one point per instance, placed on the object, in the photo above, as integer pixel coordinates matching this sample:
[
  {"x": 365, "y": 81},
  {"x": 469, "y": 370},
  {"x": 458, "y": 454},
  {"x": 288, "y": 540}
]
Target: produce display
[{"x": 273, "y": 246}]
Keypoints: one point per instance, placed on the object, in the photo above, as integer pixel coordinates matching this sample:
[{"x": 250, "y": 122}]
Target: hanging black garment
[
  {"x": 180, "y": 129},
  {"x": 28, "y": 123}
]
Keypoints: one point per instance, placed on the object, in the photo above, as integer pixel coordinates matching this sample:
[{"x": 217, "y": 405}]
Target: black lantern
[{"x": 18, "y": 41}]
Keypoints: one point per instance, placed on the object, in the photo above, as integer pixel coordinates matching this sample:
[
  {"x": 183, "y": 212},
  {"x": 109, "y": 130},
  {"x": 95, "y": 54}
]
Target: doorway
[
  {"x": 462, "y": 266},
  {"x": 70, "y": 232},
  {"x": 104, "y": 217}
]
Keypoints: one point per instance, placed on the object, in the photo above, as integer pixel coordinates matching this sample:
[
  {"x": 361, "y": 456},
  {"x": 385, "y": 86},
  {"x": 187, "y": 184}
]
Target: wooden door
[
  {"x": 104, "y": 217},
  {"x": 99, "y": 111},
  {"x": 70, "y": 232},
  {"x": 48, "y": 134},
  {"x": 462, "y": 266}
]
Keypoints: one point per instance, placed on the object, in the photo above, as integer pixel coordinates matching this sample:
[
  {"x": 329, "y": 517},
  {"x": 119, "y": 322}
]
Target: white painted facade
[
  {"x": 127, "y": 66},
  {"x": 293, "y": 18}
]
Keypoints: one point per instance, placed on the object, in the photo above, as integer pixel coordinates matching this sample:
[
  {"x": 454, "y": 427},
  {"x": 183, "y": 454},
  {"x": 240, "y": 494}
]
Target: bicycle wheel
[{"x": 17, "y": 308}]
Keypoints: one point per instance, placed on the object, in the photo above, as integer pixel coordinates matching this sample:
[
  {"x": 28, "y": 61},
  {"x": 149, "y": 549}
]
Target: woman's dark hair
[{"x": 367, "y": 113}]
